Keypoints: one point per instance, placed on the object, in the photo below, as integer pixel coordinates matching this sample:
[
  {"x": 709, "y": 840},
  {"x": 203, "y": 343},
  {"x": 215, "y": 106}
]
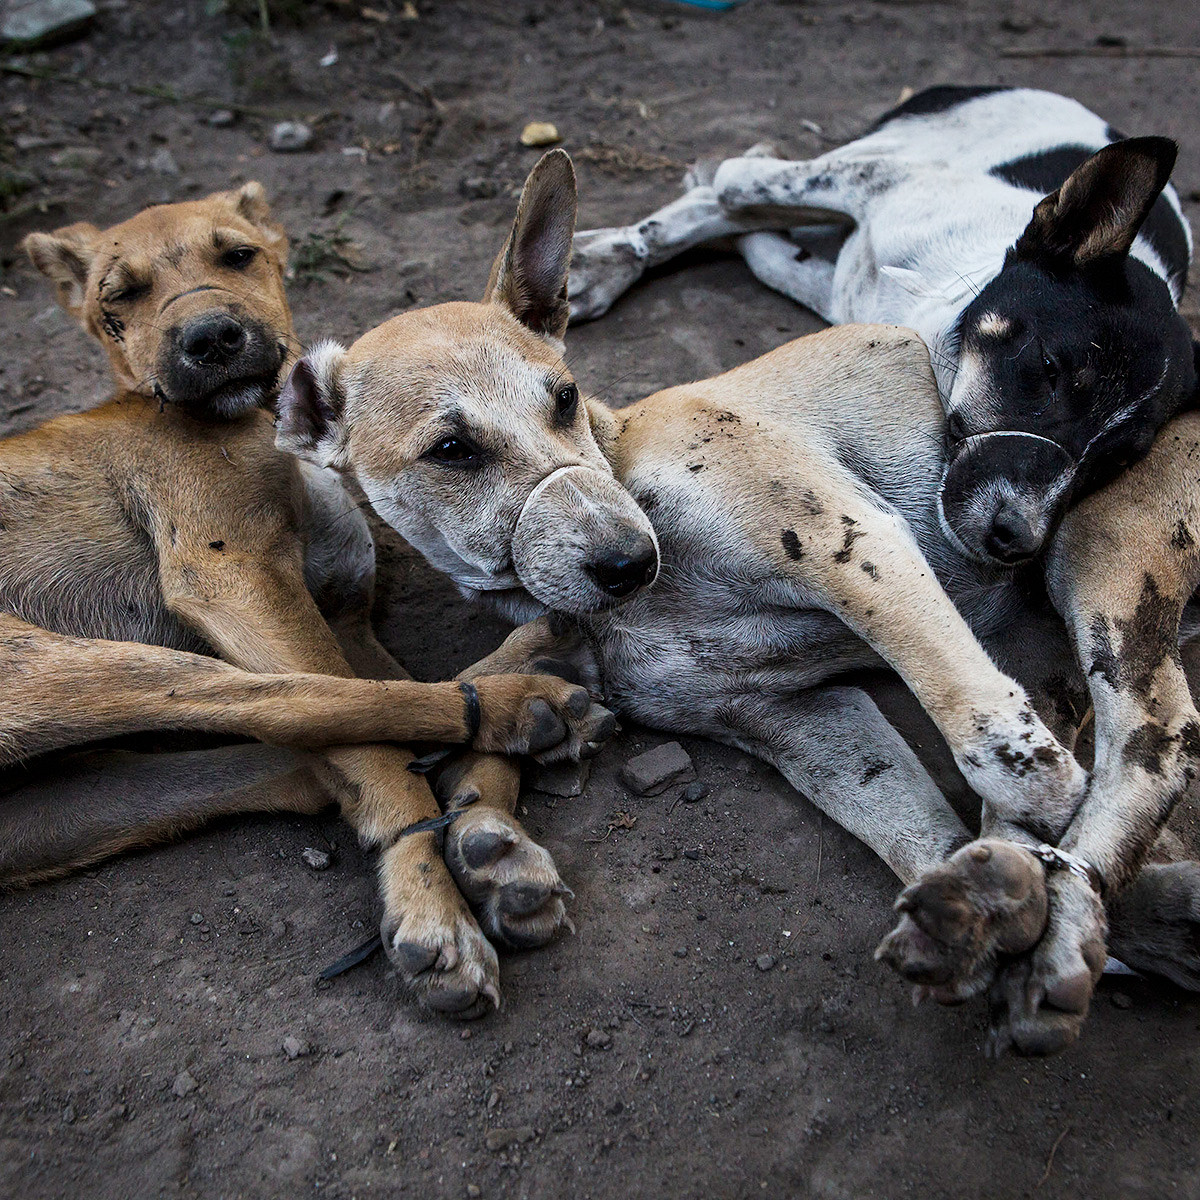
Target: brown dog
[{"x": 168, "y": 518}]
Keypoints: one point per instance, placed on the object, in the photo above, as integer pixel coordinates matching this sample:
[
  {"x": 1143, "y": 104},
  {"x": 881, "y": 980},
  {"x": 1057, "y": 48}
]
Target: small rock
[
  {"x": 694, "y": 792},
  {"x": 69, "y": 1115},
  {"x": 294, "y": 1048},
  {"x": 319, "y": 860},
  {"x": 183, "y": 1084},
  {"x": 163, "y": 161},
  {"x": 540, "y": 133},
  {"x": 221, "y": 118},
  {"x": 658, "y": 769},
  {"x": 289, "y": 136},
  {"x": 37, "y": 22},
  {"x": 764, "y": 962},
  {"x": 559, "y": 779},
  {"x": 476, "y": 187},
  {"x": 473, "y": 1190},
  {"x": 79, "y": 158},
  {"x": 1121, "y": 1000},
  {"x": 692, "y": 855},
  {"x": 500, "y": 1139},
  {"x": 197, "y": 918},
  {"x": 598, "y": 1039},
  {"x": 680, "y": 952}
]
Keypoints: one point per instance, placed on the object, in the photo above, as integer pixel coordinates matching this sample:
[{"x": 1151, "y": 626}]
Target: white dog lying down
[
  {"x": 1051, "y": 322},
  {"x": 795, "y": 536}
]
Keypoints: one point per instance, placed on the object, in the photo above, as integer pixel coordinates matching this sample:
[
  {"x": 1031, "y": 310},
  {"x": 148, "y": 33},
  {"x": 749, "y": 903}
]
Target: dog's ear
[
  {"x": 66, "y": 257},
  {"x": 250, "y": 203},
  {"x": 529, "y": 277},
  {"x": 1098, "y": 211},
  {"x": 311, "y": 408}
]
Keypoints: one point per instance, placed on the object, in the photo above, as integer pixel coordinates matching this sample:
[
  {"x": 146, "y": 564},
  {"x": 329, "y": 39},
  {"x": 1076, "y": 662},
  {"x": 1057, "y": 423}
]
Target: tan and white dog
[
  {"x": 140, "y": 537},
  {"x": 789, "y": 511}
]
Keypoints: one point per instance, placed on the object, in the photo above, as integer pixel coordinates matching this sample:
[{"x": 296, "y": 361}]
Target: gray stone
[
  {"x": 163, "y": 162},
  {"x": 294, "y": 1048},
  {"x": 197, "y": 918},
  {"x": 221, "y": 118},
  {"x": 764, "y": 962},
  {"x": 35, "y": 22},
  {"x": 476, "y": 187},
  {"x": 183, "y": 1084},
  {"x": 559, "y": 779},
  {"x": 78, "y": 158},
  {"x": 289, "y": 136},
  {"x": 598, "y": 1039},
  {"x": 658, "y": 769},
  {"x": 694, "y": 792},
  {"x": 318, "y": 860}
]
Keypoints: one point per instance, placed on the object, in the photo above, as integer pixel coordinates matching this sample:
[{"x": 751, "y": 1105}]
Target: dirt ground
[{"x": 648, "y": 1055}]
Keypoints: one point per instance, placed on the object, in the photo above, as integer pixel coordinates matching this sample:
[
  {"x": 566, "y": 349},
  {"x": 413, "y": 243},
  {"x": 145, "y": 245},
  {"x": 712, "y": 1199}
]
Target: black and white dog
[{"x": 1039, "y": 254}]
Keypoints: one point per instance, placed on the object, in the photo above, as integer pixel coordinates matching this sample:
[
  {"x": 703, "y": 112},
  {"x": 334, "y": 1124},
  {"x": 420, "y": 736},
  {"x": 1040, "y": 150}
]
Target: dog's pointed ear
[
  {"x": 66, "y": 257},
  {"x": 311, "y": 409},
  {"x": 250, "y": 203},
  {"x": 1098, "y": 211},
  {"x": 529, "y": 277}
]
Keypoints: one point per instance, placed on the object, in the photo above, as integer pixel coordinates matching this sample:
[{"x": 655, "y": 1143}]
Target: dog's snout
[
  {"x": 1012, "y": 537},
  {"x": 213, "y": 340},
  {"x": 620, "y": 572}
]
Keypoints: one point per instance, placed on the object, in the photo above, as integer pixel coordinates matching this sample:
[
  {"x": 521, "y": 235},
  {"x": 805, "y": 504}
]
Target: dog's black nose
[
  {"x": 212, "y": 340},
  {"x": 621, "y": 572},
  {"x": 1012, "y": 538}
]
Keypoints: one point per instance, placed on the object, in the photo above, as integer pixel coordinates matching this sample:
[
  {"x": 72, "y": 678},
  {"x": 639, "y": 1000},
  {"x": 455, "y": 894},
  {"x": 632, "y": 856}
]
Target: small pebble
[
  {"x": 500, "y": 1139},
  {"x": 1121, "y": 1000},
  {"x": 294, "y": 1048},
  {"x": 681, "y": 952},
  {"x": 289, "y": 136},
  {"x": 317, "y": 859},
  {"x": 475, "y": 187},
  {"x": 540, "y": 133},
  {"x": 197, "y": 919},
  {"x": 221, "y": 118},
  {"x": 598, "y": 1039},
  {"x": 764, "y": 962},
  {"x": 183, "y": 1084},
  {"x": 694, "y": 791},
  {"x": 473, "y": 1190}
]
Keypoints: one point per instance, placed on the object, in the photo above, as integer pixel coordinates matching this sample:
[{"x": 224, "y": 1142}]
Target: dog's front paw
[
  {"x": 605, "y": 263},
  {"x": 542, "y": 716},
  {"x": 1155, "y": 923},
  {"x": 986, "y": 899},
  {"x": 509, "y": 880},
  {"x": 1040, "y": 1001},
  {"x": 445, "y": 959}
]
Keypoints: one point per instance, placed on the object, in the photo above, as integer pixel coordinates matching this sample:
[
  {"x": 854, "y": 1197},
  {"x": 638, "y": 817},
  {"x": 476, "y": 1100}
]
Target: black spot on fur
[
  {"x": 217, "y": 545},
  {"x": 696, "y": 467},
  {"x": 811, "y": 505},
  {"x": 1147, "y": 745},
  {"x": 1182, "y": 538},
  {"x": 870, "y": 568},
  {"x": 113, "y": 325},
  {"x": 935, "y": 100},
  {"x": 791, "y": 545},
  {"x": 874, "y": 768},
  {"x": 1147, "y": 639},
  {"x": 850, "y": 535},
  {"x": 1016, "y": 761}
]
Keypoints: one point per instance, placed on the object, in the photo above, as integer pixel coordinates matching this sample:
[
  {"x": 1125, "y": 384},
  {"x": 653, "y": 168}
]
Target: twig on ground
[
  {"x": 1050, "y": 1160},
  {"x": 1101, "y": 52}
]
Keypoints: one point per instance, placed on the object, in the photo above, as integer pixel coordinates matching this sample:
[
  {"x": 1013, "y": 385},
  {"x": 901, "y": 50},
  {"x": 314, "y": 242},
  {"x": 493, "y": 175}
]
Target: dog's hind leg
[
  {"x": 781, "y": 264},
  {"x": 607, "y": 262},
  {"x": 57, "y": 816}
]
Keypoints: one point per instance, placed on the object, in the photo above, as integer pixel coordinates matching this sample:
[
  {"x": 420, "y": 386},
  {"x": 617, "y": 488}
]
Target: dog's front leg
[
  {"x": 258, "y": 614},
  {"x": 1120, "y": 570},
  {"x": 512, "y": 882}
]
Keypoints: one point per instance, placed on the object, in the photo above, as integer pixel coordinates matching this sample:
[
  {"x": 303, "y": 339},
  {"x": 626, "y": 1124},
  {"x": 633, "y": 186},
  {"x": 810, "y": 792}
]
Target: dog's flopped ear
[
  {"x": 311, "y": 408},
  {"x": 65, "y": 256},
  {"x": 530, "y": 275},
  {"x": 1098, "y": 211},
  {"x": 250, "y": 203}
]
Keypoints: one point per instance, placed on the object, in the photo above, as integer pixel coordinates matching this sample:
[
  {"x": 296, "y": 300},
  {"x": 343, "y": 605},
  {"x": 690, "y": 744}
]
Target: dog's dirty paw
[
  {"x": 541, "y": 716},
  {"x": 606, "y": 262},
  {"x": 1040, "y": 1001},
  {"x": 1154, "y": 923},
  {"x": 986, "y": 899},
  {"x": 509, "y": 880},
  {"x": 445, "y": 960}
]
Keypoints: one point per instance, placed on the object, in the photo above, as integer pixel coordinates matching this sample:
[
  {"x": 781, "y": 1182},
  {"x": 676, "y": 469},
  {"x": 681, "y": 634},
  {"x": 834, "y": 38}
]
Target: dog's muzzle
[
  {"x": 581, "y": 543},
  {"x": 1004, "y": 494}
]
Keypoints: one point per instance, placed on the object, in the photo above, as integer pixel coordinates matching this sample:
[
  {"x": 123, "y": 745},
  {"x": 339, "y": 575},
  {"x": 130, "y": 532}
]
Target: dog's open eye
[
  {"x": 239, "y": 257},
  {"x": 1051, "y": 368},
  {"x": 566, "y": 400},
  {"x": 453, "y": 451}
]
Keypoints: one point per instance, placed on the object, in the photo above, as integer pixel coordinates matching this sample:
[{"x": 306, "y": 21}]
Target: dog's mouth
[{"x": 229, "y": 391}]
